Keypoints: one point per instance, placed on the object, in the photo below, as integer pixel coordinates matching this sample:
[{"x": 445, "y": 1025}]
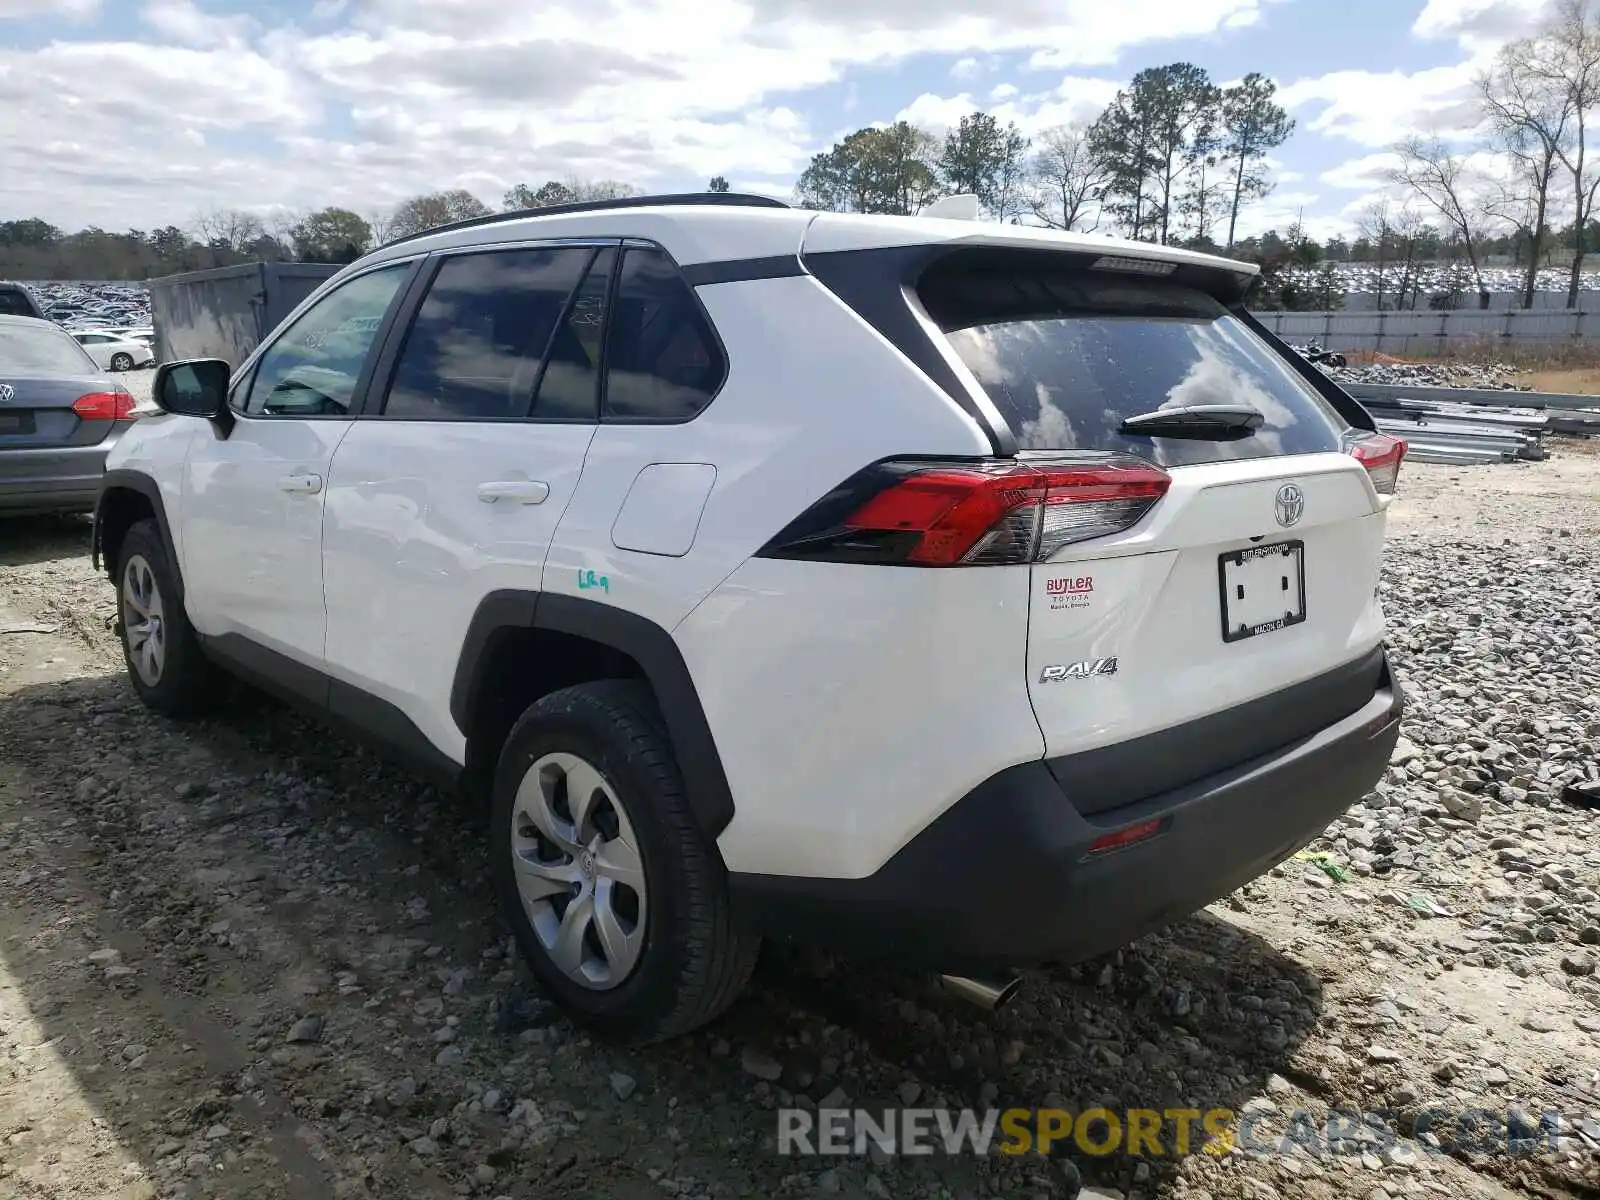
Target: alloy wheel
[
  {"x": 143, "y": 620},
  {"x": 578, "y": 870}
]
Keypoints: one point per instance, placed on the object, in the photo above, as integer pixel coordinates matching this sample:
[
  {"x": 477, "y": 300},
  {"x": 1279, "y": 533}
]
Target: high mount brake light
[
  {"x": 989, "y": 513},
  {"x": 1381, "y": 455},
  {"x": 104, "y": 406}
]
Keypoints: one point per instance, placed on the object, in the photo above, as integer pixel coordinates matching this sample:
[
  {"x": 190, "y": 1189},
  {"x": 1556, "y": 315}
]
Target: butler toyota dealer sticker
[{"x": 1071, "y": 592}]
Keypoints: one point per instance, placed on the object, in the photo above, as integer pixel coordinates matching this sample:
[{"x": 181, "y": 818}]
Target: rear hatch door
[{"x": 1162, "y": 654}]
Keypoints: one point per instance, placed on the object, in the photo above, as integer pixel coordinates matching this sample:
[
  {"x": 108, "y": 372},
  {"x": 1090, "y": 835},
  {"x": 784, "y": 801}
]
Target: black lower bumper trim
[{"x": 1005, "y": 877}]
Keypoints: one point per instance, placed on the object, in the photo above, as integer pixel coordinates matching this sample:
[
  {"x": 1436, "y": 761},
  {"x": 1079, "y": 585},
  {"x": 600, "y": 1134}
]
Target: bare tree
[
  {"x": 1441, "y": 179},
  {"x": 381, "y": 222},
  {"x": 1410, "y": 231},
  {"x": 230, "y": 228},
  {"x": 1531, "y": 119},
  {"x": 1564, "y": 57},
  {"x": 1376, "y": 224},
  {"x": 1066, "y": 179}
]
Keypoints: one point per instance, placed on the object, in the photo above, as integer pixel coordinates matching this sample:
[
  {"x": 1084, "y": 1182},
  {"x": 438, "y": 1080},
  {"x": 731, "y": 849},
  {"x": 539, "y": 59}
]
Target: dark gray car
[{"x": 59, "y": 417}]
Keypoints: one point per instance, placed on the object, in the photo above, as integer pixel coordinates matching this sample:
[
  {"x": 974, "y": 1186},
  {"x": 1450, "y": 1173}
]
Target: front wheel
[
  {"x": 618, "y": 901},
  {"x": 121, "y": 362},
  {"x": 165, "y": 662}
]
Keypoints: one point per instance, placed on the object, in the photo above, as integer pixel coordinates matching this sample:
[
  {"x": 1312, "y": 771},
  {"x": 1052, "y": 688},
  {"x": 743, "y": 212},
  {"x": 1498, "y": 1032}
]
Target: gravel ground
[{"x": 241, "y": 959}]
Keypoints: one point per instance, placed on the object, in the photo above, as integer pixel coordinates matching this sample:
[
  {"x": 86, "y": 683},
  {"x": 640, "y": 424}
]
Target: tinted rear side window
[
  {"x": 663, "y": 362},
  {"x": 1066, "y": 356},
  {"x": 475, "y": 349}
]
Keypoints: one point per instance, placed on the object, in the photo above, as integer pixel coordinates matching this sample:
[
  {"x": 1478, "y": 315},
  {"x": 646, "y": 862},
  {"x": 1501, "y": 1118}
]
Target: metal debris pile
[{"x": 1491, "y": 376}]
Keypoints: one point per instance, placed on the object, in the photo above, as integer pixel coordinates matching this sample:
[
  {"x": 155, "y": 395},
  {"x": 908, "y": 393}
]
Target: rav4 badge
[{"x": 1079, "y": 670}]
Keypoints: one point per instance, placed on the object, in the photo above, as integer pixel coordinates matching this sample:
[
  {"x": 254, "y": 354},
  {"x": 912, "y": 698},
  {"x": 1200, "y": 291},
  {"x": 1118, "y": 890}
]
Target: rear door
[
  {"x": 450, "y": 486},
  {"x": 1256, "y": 571}
]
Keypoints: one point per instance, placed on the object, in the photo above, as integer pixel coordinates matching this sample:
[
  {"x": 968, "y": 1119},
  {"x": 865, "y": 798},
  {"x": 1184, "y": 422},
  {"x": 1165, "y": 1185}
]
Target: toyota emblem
[
  {"x": 1290, "y": 504},
  {"x": 7, "y": 393}
]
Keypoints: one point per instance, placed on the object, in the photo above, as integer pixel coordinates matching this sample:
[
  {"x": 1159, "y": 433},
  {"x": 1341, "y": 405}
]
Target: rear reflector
[
  {"x": 1381, "y": 455},
  {"x": 105, "y": 406},
  {"x": 1128, "y": 836},
  {"x": 987, "y": 513}
]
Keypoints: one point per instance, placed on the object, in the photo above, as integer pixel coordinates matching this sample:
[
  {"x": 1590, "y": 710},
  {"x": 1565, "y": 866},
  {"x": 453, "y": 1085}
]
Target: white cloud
[
  {"x": 1479, "y": 23},
  {"x": 182, "y": 21},
  {"x": 1374, "y": 108},
  {"x": 73, "y": 9},
  {"x": 364, "y": 102}
]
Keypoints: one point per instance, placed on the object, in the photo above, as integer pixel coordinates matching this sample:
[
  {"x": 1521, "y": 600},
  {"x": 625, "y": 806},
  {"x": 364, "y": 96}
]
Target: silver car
[{"x": 59, "y": 416}]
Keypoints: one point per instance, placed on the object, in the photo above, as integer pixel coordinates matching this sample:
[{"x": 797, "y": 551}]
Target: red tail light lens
[
  {"x": 1131, "y": 835},
  {"x": 104, "y": 406},
  {"x": 1381, "y": 455},
  {"x": 973, "y": 514}
]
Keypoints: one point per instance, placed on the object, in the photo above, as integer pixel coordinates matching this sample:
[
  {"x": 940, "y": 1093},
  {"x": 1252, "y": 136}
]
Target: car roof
[{"x": 696, "y": 231}]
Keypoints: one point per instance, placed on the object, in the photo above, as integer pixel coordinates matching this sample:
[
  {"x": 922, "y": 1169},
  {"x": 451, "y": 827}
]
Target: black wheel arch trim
[
  {"x": 642, "y": 640},
  {"x": 123, "y": 479}
]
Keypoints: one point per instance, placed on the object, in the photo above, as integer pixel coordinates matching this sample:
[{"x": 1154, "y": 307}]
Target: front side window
[
  {"x": 663, "y": 362},
  {"x": 312, "y": 369},
  {"x": 475, "y": 350},
  {"x": 1066, "y": 356}
]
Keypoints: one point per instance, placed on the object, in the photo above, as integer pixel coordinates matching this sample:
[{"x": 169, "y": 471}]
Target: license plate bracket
[
  {"x": 16, "y": 422},
  {"x": 1262, "y": 589}
]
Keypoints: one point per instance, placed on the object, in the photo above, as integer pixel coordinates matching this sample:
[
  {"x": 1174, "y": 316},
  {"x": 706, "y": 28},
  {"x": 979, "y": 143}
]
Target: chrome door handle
[
  {"x": 523, "y": 491},
  {"x": 303, "y": 485}
]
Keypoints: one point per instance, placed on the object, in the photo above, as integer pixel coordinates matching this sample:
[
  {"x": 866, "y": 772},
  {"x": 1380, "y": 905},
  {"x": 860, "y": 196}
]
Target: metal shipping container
[{"x": 226, "y": 312}]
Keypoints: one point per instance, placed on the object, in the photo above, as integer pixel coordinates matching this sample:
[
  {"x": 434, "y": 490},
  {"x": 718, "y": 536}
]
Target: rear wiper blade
[{"x": 1196, "y": 421}]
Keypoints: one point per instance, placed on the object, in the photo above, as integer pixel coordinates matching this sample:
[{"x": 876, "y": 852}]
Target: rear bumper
[
  {"x": 1006, "y": 876},
  {"x": 58, "y": 479}
]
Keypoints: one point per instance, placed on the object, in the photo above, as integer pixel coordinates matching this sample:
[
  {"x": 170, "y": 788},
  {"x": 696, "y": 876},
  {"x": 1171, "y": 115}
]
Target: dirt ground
[{"x": 240, "y": 959}]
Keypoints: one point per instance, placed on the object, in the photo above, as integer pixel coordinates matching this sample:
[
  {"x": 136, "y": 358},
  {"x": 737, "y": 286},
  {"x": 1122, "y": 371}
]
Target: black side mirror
[{"x": 197, "y": 387}]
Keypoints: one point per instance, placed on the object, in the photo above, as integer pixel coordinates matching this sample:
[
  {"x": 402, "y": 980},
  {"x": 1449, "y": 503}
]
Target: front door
[{"x": 252, "y": 523}]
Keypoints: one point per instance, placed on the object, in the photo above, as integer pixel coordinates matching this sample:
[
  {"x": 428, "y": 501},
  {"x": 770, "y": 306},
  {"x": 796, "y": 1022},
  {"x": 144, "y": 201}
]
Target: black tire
[
  {"x": 188, "y": 681},
  {"x": 121, "y": 362},
  {"x": 694, "y": 961}
]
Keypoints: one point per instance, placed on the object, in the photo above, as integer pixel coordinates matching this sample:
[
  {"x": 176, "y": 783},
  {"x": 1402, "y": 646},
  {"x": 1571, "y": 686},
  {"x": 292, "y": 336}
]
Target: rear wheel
[
  {"x": 617, "y": 899},
  {"x": 122, "y": 362},
  {"x": 165, "y": 662}
]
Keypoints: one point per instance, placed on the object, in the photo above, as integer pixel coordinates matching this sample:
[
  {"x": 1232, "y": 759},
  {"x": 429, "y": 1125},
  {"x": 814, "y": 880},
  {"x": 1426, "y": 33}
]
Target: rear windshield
[
  {"x": 41, "y": 350},
  {"x": 1067, "y": 356},
  {"x": 14, "y": 302}
]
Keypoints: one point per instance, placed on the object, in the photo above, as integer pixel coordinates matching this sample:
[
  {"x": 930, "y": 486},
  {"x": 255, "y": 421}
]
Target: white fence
[
  {"x": 1367, "y": 301},
  {"x": 1412, "y": 332}
]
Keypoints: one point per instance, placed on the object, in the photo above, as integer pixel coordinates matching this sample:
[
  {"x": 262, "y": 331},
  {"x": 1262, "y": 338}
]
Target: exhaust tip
[{"x": 989, "y": 994}]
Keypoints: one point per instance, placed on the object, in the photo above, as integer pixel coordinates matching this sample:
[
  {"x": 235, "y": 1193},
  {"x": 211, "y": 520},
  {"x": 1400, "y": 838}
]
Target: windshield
[
  {"x": 1067, "y": 356},
  {"x": 41, "y": 350}
]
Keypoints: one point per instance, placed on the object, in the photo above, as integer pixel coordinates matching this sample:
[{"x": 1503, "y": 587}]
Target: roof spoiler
[{"x": 963, "y": 207}]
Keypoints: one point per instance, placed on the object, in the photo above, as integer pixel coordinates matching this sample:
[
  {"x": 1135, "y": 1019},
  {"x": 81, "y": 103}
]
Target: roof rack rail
[{"x": 729, "y": 199}]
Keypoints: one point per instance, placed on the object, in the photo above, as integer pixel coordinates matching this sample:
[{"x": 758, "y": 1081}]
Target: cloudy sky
[{"x": 126, "y": 113}]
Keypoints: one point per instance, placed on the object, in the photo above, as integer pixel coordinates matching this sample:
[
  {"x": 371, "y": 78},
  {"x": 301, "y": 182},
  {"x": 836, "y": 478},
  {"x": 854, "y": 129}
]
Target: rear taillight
[
  {"x": 105, "y": 406},
  {"x": 989, "y": 513},
  {"x": 1381, "y": 455}
]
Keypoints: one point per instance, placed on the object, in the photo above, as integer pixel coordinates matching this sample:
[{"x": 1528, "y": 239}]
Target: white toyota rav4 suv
[{"x": 967, "y": 594}]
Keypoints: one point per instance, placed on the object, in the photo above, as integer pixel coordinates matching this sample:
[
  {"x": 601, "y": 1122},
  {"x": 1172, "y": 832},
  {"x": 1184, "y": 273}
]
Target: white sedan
[{"x": 115, "y": 352}]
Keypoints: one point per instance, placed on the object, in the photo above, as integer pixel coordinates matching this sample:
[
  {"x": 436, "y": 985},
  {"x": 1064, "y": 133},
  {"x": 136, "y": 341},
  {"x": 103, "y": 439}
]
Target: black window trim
[
  {"x": 636, "y": 243},
  {"x": 388, "y": 360},
  {"x": 375, "y": 388},
  {"x": 251, "y": 367}
]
